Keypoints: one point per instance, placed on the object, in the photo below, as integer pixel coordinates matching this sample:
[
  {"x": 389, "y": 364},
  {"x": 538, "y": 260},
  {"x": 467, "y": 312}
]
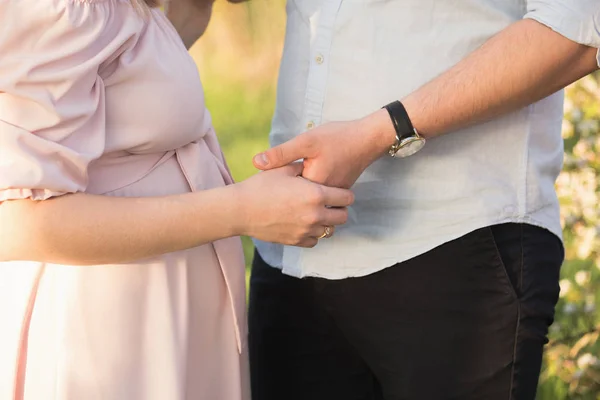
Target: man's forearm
[{"x": 521, "y": 65}]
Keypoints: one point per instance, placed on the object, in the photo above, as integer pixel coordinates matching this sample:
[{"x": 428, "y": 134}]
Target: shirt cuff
[{"x": 580, "y": 24}]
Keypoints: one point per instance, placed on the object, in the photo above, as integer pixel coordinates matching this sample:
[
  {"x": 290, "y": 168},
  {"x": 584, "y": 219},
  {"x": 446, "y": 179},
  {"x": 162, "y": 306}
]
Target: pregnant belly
[
  {"x": 166, "y": 179},
  {"x": 177, "y": 174}
]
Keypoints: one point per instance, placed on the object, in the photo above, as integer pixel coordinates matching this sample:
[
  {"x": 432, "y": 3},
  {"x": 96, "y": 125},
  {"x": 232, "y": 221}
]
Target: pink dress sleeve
[{"x": 52, "y": 112}]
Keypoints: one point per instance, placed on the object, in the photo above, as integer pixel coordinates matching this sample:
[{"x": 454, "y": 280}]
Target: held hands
[
  {"x": 337, "y": 153},
  {"x": 280, "y": 206}
]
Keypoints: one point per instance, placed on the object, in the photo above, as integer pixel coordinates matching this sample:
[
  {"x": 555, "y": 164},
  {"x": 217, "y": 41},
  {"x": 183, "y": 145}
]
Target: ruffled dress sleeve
[{"x": 52, "y": 99}]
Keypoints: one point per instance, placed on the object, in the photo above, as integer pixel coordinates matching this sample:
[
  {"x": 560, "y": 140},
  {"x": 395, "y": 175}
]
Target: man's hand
[
  {"x": 527, "y": 62},
  {"x": 336, "y": 153}
]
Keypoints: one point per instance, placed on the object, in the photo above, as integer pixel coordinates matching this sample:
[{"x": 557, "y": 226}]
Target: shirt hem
[{"x": 388, "y": 262}]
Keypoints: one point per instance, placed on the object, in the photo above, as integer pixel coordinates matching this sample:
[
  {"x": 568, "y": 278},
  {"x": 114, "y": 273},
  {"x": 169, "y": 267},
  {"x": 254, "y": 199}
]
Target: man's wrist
[{"x": 381, "y": 130}]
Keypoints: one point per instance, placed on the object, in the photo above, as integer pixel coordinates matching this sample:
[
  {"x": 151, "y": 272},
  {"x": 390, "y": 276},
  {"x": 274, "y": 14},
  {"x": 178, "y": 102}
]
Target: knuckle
[
  {"x": 351, "y": 198},
  {"x": 279, "y": 153},
  {"x": 310, "y": 143},
  {"x": 344, "y": 217},
  {"x": 308, "y": 220},
  {"x": 317, "y": 195},
  {"x": 316, "y": 217},
  {"x": 303, "y": 234},
  {"x": 311, "y": 243},
  {"x": 305, "y": 231}
]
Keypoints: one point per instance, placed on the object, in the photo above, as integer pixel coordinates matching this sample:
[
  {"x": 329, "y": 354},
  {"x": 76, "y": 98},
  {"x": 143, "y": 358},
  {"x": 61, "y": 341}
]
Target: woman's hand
[
  {"x": 280, "y": 206},
  {"x": 85, "y": 229}
]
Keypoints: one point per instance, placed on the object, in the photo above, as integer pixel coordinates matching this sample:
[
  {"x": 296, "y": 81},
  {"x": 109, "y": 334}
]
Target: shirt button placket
[{"x": 317, "y": 74}]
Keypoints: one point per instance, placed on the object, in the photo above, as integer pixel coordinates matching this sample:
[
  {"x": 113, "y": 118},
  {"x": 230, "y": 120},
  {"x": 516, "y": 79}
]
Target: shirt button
[
  {"x": 319, "y": 59},
  {"x": 310, "y": 125}
]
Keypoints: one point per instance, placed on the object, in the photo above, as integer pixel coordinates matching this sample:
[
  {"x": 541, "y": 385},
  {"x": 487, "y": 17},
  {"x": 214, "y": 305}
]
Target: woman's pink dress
[{"x": 96, "y": 97}]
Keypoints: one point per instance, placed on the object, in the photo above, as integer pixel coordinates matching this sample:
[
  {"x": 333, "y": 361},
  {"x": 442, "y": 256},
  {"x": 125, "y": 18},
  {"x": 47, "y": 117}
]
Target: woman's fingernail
[{"x": 261, "y": 160}]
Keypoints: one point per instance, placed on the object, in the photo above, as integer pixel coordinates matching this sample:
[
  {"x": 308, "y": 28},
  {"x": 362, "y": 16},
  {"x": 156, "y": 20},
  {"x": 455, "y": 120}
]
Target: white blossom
[
  {"x": 586, "y": 360},
  {"x": 582, "y": 278},
  {"x": 565, "y": 287}
]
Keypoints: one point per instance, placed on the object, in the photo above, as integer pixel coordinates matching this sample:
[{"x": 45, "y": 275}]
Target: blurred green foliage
[
  {"x": 572, "y": 362},
  {"x": 238, "y": 60}
]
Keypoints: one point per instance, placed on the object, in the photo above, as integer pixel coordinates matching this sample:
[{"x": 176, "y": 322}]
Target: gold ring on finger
[{"x": 325, "y": 234}]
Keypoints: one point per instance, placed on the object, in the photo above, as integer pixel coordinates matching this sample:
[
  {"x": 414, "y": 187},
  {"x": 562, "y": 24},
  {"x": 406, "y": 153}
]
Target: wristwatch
[{"x": 408, "y": 140}]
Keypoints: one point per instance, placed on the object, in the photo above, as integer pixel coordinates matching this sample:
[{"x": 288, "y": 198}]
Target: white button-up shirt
[{"x": 344, "y": 59}]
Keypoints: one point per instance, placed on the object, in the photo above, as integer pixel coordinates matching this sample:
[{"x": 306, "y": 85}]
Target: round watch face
[{"x": 410, "y": 146}]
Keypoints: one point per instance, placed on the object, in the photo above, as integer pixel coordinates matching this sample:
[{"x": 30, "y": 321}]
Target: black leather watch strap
[{"x": 404, "y": 128}]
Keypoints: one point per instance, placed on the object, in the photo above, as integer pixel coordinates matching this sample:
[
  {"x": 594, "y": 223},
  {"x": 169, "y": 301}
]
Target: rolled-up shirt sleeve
[{"x": 577, "y": 20}]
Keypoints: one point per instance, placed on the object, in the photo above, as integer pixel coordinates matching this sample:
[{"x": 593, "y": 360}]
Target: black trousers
[{"x": 467, "y": 320}]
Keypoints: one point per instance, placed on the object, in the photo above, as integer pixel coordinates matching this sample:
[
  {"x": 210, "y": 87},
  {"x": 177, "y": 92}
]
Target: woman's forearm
[{"x": 83, "y": 229}]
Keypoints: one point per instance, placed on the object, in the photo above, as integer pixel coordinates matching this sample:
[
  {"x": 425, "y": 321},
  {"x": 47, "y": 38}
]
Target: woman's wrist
[
  {"x": 235, "y": 210},
  {"x": 224, "y": 205}
]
